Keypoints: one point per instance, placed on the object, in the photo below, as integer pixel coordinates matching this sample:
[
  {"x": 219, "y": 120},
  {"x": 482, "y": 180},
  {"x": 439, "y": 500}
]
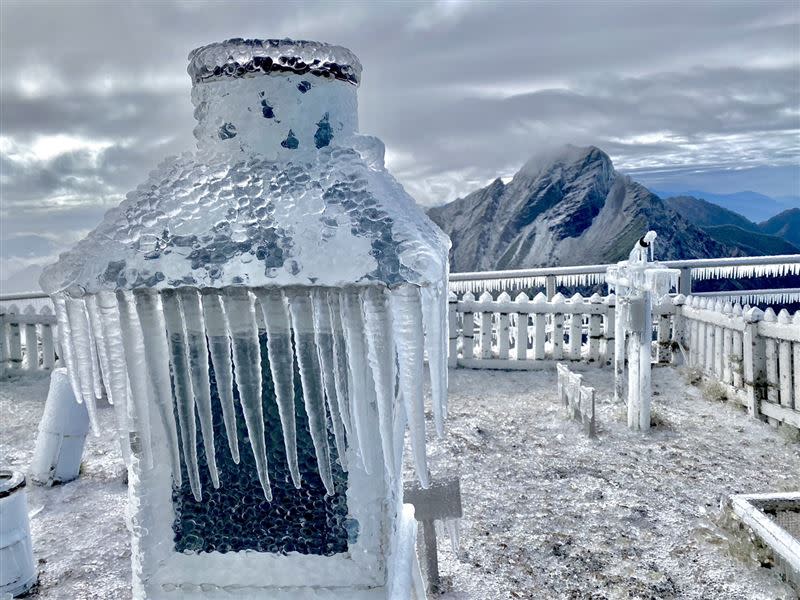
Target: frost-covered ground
[
  {"x": 548, "y": 513},
  {"x": 552, "y": 514}
]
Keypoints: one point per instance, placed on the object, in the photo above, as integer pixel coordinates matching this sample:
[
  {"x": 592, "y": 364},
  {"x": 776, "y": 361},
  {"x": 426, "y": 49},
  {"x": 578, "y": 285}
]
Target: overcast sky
[{"x": 681, "y": 95}]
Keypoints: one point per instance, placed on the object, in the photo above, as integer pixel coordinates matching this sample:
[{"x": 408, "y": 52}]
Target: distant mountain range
[
  {"x": 778, "y": 235},
  {"x": 751, "y": 205},
  {"x": 571, "y": 207}
]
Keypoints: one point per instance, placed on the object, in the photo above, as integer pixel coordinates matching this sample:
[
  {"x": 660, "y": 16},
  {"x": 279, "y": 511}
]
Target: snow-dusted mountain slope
[{"x": 568, "y": 207}]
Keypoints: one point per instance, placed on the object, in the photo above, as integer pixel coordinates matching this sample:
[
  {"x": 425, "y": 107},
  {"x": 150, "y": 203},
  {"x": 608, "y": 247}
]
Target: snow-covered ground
[{"x": 548, "y": 512}]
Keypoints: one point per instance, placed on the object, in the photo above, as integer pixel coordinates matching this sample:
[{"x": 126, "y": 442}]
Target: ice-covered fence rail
[
  {"x": 776, "y": 296},
  {"x": 755, "y": 354},
  {"x": 526, "y": 333},
  {"x": 27, "y": 338},
  {"x": 36, "y": 299},
  {"x": 585, "y": 275}
]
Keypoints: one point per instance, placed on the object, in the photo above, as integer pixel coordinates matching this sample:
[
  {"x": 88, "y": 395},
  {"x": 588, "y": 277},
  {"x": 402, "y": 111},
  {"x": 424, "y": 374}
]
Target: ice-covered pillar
[
  {"x": 637, "y": 282},
  {"x": 258, "y": 312}
]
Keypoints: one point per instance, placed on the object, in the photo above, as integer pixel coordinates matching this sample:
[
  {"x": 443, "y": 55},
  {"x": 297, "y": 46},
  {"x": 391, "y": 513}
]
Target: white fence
[
  {"x": 28, "y": 338},
  {"x": 755, "y": 354}
]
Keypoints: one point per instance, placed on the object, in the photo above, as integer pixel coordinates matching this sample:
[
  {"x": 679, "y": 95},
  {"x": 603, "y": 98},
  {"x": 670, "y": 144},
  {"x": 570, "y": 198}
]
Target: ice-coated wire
[
  {"x": 220, "y": 349},
  {"x": 281, "y": 365},
  {"x": 311, "y": 381},
  {"x": 240, "y": 318}
]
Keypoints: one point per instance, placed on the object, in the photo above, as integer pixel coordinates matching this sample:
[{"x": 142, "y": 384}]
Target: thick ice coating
[{"x": 280, "y": 258}]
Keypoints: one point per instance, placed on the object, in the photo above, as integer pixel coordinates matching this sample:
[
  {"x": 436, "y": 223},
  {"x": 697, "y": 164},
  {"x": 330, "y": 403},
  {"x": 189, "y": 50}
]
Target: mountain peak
[{"x": 563, "y": 156}]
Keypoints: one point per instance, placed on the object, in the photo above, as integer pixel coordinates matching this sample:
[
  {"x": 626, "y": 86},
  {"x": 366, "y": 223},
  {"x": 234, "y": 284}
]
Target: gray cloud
[{"x": 460, "y": 92}]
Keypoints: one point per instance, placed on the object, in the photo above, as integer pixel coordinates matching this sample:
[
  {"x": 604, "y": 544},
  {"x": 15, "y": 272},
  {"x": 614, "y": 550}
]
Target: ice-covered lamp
[{"x": 255, "y": 312}]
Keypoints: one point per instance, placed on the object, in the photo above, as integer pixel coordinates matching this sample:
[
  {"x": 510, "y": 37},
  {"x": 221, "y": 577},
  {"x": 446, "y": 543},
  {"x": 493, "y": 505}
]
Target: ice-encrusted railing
[
  {"x": 27, "y": 338},
  {"x": 551, "y": 278},
  {"x": 755, "y": 354}
]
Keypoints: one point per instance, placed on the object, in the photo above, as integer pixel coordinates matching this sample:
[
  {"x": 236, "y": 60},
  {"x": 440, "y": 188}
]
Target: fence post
[
  {"x": 707, "y": 305},
  {"x": 609, "y": 328},
  {"x": 539, "y": 328},
  {"x": 796, "y": 361},
  {"x": 755, "y": 367},
  {"x": 522, "y": 329},
  {"x": 678, "y": 330},
  {"x": 14, "y": 341},
  {"x": 718, "y": 343},
  {"x": 727, "y": 346},
  {"x": 486, "y": 326},
  {"x": 663, "y": 336},
  {"x": 468, "y": 329},
  {"x": 771, "y": 346},
  {"x": 785, "y": 362},
  {"x": 685, "y": 281},
  {"x": 452, "y": 324},
  {"x": 595, "y": 328},
  {"x": 737, "y": 352},
  {"x": 550, "y": 286},
  {"x": 3, "y": 344},
  {"x": 575, "y": 327},
  {"x": 31, "y": 362},
  {"x": 503, "y": 329},
  {"x": 558, "y": 326}
]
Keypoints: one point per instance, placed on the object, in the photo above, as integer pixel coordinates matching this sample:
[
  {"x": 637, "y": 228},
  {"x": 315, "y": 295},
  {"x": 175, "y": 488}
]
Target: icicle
[
  {"x": 340, "y": 367},
  {"x": 84, "y": 357},
  {"x": 156, "y": 356},
  {"x": 323, "y": 336},
  {"x": 67, "y": 348},
  {"x": 281, "y": 365},
  {"x": 137, "y": 388},
  {"x": 362, "y": 390},
  {"x": 97, "y": 343},
  {"x": 197, "y": 355},
  {"x": 220, "y": 349},
  {"x": 182, "y": 387},
  {"x": 436, "y": 347},
  {"x": 117, "y": 380},
  {"x": 241, "y": 321},
  {"x": 380, "y": 351},
  {"x": 407, "y": 317},
  {"x": 311, "y": 380}
]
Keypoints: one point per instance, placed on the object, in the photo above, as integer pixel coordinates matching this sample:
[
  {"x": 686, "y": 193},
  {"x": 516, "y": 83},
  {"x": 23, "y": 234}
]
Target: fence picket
[
  {"x": 558, "y": 327},
  {"x": 595, "y": 329},
  {"x": 503, "y": 329},
  {"x": 576, "y": 328},
  {"x": 539, "y": 329},
  {"x": 785, "y": 363},
  {"x": 31, "y": 358},
  {"x": 521, "y": 350}
]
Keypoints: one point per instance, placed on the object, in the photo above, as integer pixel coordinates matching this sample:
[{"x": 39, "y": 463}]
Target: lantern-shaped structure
[
  {"x": 257, "y": 312},
  {"x": 637, "y": 281}
]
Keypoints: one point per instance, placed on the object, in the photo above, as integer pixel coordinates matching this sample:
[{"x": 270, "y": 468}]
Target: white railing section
[
  {"x": 28, "y": 338},
  {"x": 549, "y": 278},
  {"x": 754, "y": 353}
]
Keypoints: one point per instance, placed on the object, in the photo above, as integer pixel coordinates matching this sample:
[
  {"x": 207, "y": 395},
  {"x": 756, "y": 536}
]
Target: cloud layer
[{"x": 681, "y": 94}]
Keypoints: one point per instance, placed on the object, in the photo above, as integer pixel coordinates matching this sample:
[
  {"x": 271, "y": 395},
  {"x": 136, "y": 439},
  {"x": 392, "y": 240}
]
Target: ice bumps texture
[{"x": 282, "y": 258}]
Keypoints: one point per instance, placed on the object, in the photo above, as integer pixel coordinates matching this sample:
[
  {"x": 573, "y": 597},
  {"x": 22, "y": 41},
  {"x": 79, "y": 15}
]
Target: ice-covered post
[
  {"x": 637, "y": 282},
  {"x": 258, "y": 313}
]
